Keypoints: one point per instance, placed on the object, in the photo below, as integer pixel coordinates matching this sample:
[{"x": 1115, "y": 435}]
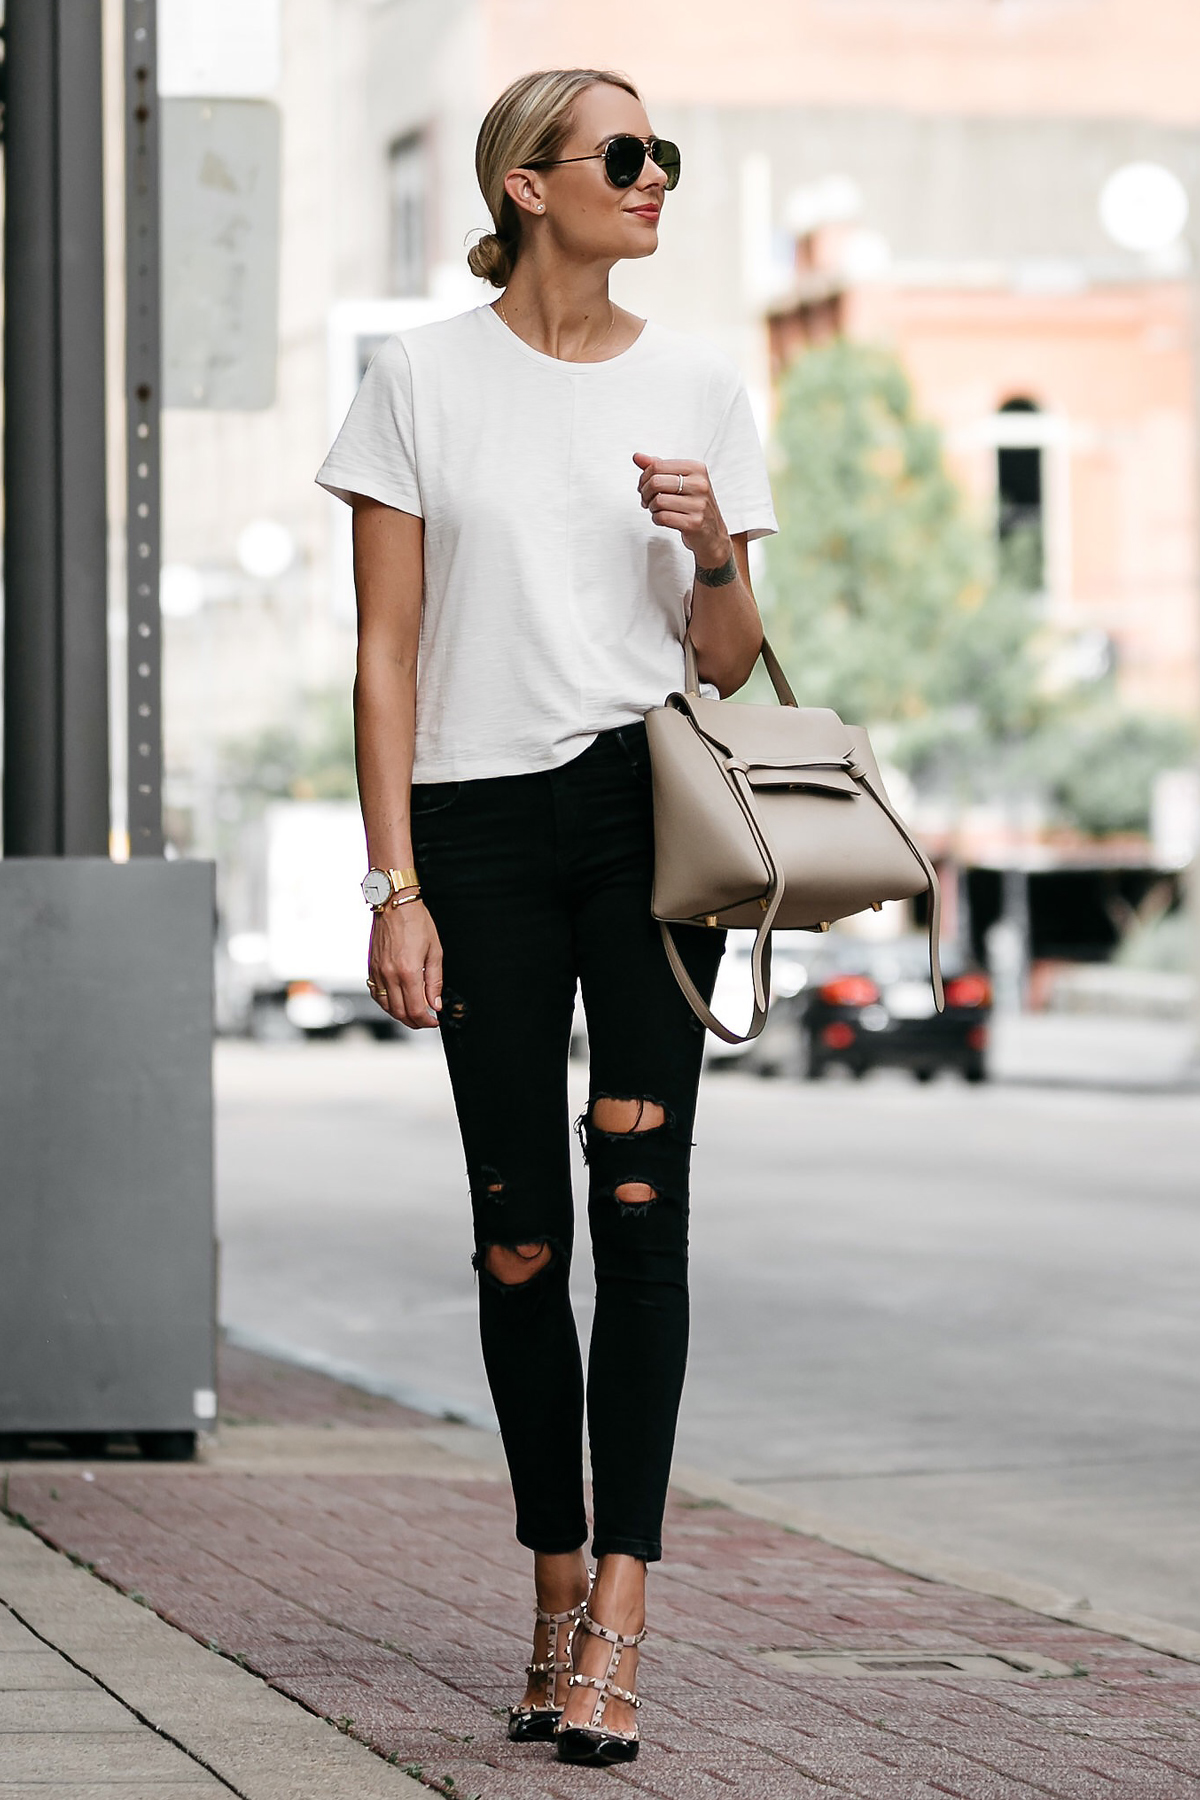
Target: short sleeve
[
  {"x": 738, "y": 470},
  {"x": 375, "y": 451}
]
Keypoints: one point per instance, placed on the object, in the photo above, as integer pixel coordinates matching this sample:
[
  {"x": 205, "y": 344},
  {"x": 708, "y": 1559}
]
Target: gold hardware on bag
[
  {"x": 877, "y": 906},
  {"x": 824, "y": 925},
  {"x": 710, "y": 918}
]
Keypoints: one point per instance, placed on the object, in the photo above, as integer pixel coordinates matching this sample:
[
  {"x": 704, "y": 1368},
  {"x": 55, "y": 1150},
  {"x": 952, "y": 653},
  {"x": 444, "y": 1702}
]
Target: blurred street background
[{"x": 954, "y": 250}]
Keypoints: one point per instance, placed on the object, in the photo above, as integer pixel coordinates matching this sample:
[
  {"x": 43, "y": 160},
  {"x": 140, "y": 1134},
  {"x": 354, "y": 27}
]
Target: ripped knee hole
[
  {"x": 634, "y": 1193},
  {"x": 515, "y": 1264},
  {"x": 619, "y": 1117}
]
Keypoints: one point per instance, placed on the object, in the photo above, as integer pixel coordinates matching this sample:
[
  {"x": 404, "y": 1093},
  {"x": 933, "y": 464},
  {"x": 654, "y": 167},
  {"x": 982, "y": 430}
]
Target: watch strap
[{"x": 402, "y": 878}]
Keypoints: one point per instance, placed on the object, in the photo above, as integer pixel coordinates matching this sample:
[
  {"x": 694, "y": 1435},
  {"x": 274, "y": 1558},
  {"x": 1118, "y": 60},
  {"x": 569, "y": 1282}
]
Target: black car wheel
[
  {"x": 975, "y": 1071},
  {"x": 809, "y": 1066}
]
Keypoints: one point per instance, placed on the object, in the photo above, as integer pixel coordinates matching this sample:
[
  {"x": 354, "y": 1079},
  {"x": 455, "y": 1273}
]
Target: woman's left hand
[{"x": 693, "y": 513}]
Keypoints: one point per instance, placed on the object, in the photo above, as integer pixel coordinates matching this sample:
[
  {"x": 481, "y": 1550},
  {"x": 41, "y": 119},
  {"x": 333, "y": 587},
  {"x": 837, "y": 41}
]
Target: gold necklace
[{"x": 612, "y": 321}]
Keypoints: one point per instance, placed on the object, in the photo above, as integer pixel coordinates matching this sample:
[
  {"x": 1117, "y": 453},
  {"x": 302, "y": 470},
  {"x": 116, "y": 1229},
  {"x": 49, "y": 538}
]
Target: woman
[{"x": 546, "y": 491}]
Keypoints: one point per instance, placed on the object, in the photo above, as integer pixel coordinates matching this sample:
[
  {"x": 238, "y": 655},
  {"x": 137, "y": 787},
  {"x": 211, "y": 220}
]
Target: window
[
  {"x": 1019, "y": 521},
  {"x": 407, "y": 173}
]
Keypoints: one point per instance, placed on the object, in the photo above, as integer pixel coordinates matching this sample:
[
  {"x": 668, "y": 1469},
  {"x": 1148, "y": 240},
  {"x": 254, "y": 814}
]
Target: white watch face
[{"x": 376, "y": 887}]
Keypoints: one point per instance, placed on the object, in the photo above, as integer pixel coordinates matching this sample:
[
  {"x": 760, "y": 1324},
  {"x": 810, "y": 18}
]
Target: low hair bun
[{"x": 492, "y": 260}]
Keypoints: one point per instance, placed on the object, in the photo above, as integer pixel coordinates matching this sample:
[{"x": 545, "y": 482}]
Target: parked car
[
  {"x": 871, "y": 1006},
  {"x": 773, "y": 1052}
]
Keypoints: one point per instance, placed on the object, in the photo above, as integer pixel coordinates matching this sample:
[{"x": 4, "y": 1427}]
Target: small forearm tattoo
[{"x": 719, "y": 577}]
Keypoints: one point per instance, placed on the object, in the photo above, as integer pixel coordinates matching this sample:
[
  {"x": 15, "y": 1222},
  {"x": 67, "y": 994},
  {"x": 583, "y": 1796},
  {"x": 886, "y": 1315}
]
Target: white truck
[{"x": 306, "y": 972}]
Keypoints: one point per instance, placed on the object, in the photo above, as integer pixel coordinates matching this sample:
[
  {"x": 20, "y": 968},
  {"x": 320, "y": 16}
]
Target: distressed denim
[{"x": 537, "y": 883}]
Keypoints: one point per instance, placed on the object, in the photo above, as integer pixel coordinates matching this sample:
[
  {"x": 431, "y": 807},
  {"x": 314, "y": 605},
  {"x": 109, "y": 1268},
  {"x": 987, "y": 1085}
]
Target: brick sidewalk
[{"x": 398, "y": 1606}]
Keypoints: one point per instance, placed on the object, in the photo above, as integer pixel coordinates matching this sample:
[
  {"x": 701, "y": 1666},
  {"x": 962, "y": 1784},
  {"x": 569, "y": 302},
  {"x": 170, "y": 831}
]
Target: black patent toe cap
[
  {"x": 533, "y": 1727},
  {"x": 595, "y": 1747}
]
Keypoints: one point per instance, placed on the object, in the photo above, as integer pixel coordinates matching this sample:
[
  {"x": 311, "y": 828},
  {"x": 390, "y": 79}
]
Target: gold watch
[{"x": 379, "y": 885}]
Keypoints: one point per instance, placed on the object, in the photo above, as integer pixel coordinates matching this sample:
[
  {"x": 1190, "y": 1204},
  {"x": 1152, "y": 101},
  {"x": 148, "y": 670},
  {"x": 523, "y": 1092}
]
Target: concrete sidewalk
[
  {"x": 99, "y": 1698},
  {"x": 337, "y": 1558},
  {"x": 1095, "y": 1050}
]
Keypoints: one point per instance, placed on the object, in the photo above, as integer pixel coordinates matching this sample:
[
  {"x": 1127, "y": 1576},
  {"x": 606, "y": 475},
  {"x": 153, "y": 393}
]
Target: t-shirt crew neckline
[{"x": 563, "y": 362}]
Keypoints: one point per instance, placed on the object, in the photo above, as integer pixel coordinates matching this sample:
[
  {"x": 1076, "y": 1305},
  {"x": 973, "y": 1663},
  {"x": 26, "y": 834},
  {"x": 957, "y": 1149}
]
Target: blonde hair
[{"x": 529, "y": 123}]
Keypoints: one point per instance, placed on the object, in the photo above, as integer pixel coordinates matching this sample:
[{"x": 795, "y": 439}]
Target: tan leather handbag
[{"x": 772, "y": 817}]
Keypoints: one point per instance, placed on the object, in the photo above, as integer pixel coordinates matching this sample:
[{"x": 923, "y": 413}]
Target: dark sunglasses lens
[
  {"x": 666, "y": 155},
  {"x": 623, "y": 160}
]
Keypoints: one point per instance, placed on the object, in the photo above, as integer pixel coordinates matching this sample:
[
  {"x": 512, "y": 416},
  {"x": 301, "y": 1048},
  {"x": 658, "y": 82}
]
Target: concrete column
[{"x": 56, "y": 781}]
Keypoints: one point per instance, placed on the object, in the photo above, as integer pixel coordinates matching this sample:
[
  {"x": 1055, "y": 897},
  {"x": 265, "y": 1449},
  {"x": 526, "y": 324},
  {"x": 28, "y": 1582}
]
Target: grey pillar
[{"x": 56, "y": 779}]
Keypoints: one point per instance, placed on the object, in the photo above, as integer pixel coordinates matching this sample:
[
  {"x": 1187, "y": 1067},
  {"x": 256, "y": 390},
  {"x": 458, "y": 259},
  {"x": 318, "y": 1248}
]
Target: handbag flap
[
  {"x": 782, "y": 746},
  {"x": 770, "y": 777},
  {"x": 776, "y": 734}
]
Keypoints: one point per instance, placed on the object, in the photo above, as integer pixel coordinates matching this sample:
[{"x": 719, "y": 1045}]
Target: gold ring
[{"x": 681, "y": 484}]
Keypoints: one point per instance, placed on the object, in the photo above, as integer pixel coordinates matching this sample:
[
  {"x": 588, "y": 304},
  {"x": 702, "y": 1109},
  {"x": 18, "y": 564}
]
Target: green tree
[
  {"x": 310, "y": 759},
  {"x": 883, "y": 594},
  {"x": 1097, "y": 766}
]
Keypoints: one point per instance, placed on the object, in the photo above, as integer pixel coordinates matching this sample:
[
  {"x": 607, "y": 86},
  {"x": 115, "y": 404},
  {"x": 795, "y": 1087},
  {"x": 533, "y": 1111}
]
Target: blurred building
[{"x": 925, "y": 172}]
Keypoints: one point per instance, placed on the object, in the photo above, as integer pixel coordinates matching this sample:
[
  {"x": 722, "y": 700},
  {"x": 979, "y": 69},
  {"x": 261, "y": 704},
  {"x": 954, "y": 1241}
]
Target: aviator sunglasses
[{"x": 624, "y": 159}]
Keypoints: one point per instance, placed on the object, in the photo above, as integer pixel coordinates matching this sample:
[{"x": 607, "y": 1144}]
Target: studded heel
[
  {"x": 596, "y": 1742},
  {"x": 535, "y": 1724}
]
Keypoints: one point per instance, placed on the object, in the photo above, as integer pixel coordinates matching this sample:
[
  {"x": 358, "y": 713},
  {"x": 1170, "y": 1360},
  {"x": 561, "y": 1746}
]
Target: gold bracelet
[{"x": 403, "y": 899}]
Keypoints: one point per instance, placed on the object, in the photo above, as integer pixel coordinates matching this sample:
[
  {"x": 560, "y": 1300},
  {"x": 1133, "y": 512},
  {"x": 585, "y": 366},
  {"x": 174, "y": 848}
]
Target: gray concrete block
[{"x": 107, "y": 1283}]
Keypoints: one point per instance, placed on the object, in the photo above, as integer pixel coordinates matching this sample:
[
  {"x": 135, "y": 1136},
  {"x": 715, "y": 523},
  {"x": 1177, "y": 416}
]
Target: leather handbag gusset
[{"x": 772, "y": 817}]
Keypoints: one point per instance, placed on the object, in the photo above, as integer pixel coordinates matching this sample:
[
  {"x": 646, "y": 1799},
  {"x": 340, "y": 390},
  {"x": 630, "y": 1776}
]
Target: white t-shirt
[{"x": 553, "y": 607}]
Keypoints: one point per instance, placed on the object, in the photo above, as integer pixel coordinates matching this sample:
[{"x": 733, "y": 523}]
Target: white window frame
[
  {"x": 411, "y": 149},
  {"x": 1049, "y": 432}
]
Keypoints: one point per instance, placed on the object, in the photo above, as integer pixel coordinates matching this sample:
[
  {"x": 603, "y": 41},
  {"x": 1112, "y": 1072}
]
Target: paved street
[{"x": 963, "y": 1317}]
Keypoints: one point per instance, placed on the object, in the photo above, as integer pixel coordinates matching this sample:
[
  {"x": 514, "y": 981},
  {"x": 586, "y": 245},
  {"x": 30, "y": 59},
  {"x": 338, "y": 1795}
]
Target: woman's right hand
[{"x": 405, "y": 964}]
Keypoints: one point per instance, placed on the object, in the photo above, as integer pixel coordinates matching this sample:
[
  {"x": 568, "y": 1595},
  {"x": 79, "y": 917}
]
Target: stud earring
[{"x": 541, "y": 209}]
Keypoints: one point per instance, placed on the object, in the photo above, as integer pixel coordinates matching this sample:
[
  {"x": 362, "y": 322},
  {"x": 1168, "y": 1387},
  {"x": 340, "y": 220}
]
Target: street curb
[
  {"x": 932, "y": 1565},
  {"x": 353, "y": 1375},
  {"x": 249, "y": 1736}
]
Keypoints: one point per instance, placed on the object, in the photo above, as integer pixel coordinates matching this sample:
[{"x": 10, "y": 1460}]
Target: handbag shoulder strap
[
  {"x": 934, "y": 886},
  {"x": 760, "y": 961},
  {"x": 760, "y": 954}
]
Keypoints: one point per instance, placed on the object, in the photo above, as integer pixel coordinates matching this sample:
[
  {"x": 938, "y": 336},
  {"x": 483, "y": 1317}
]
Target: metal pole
[
  {"x": 143, "y": 484},
  {"x": 55, "y": 550}
]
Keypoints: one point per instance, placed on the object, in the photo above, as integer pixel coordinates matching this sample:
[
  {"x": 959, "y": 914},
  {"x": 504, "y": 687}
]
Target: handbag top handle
[{"x": 779, "y": 681}]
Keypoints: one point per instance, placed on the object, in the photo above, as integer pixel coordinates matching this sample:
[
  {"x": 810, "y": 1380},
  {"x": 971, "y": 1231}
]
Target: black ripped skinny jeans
[{"x": 536, "y": 883}]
